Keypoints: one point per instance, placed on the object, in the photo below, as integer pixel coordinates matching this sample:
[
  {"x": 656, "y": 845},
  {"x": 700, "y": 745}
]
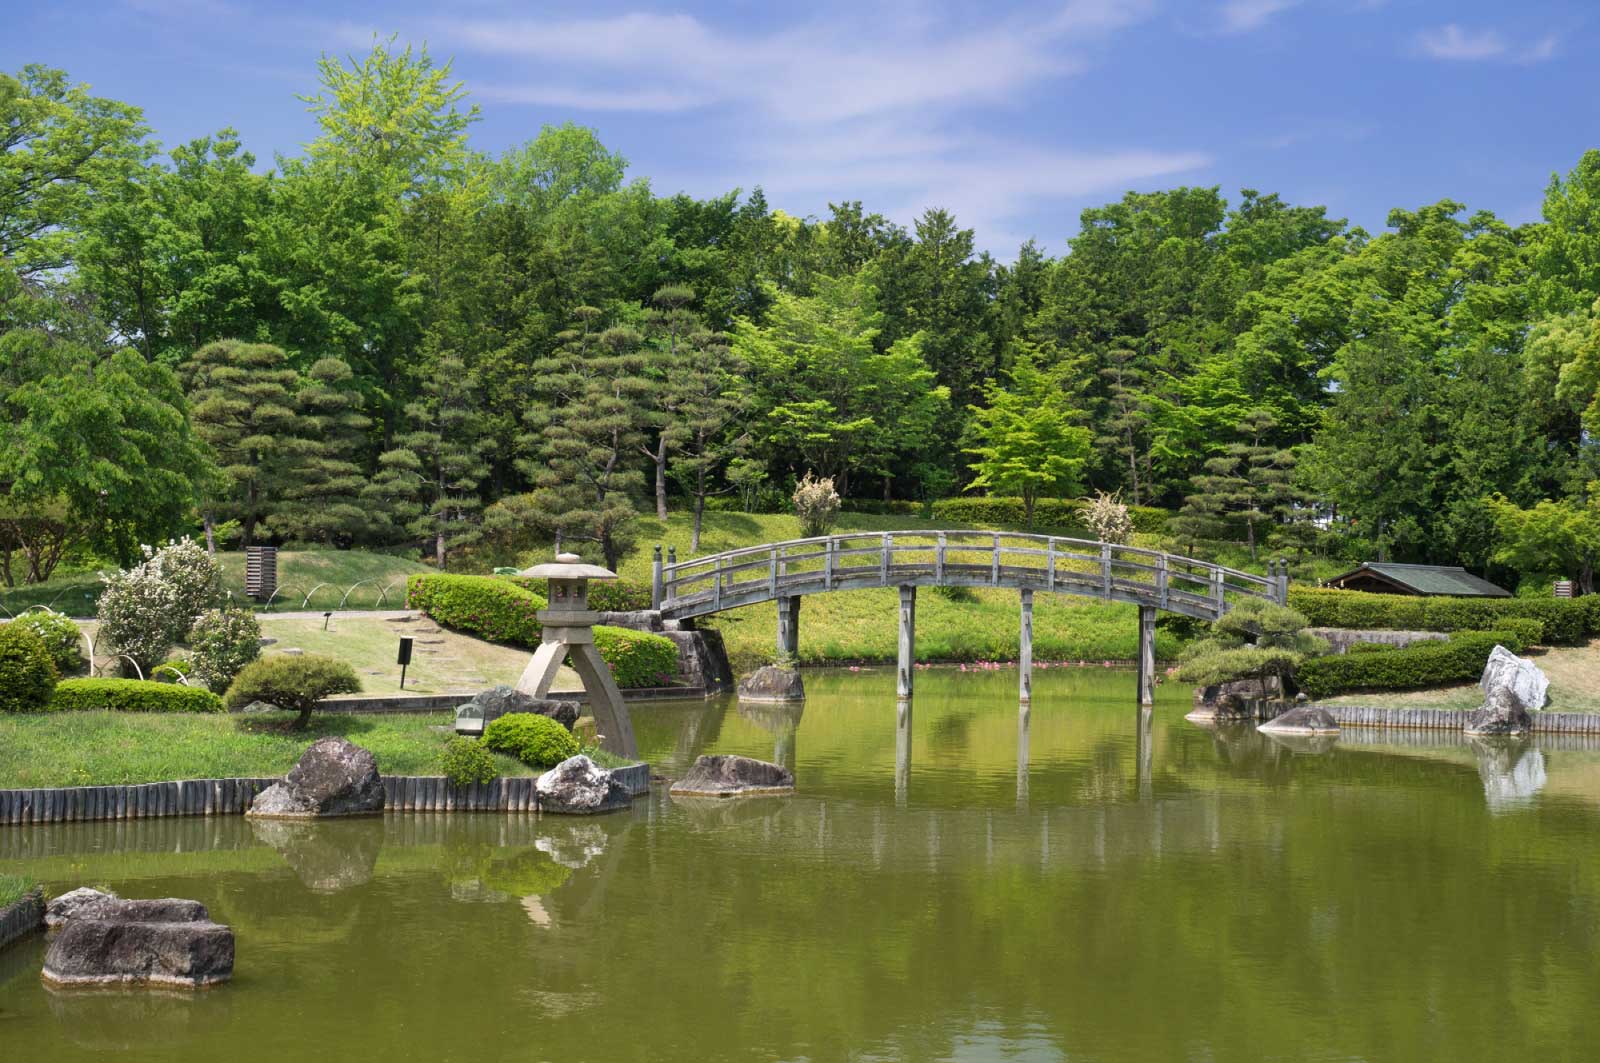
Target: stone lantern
[{"x": 569, "y": 634}]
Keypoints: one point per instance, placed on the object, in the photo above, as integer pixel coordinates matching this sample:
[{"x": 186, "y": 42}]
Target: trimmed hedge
[
  {"x": 1048, "y": 513},
  {"x": 1565, "y": 620},
  {"x": 605, "y": 596},
  {"x": 131, "y": 695},
  {"x": 1460, "y": 659},
  {"x": 500, "y": 609},
  {"x": 537, "y": 741},
  {"x": 637, "y": 658},
  {"x": 490, "y": 607}
]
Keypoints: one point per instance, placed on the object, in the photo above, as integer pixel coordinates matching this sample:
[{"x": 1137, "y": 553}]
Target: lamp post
[{"x": 568, "y": 632}]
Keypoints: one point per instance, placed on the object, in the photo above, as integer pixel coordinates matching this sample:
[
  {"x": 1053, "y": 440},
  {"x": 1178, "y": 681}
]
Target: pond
[{"x": 1099, "y": 884}]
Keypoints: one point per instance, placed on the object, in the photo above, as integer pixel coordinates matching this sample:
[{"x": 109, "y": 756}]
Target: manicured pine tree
[
  {"x": 711, "y": 397},
  {"x": 242, "y": 405},
  {"x": 325, "y": 501}
]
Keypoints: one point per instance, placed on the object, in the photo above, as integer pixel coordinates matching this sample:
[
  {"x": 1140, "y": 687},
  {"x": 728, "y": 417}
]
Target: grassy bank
[
  {"x": 13, "y": 888},
  {"x": 105, "y": 748},
  {"x": 1573, "y": 671}
]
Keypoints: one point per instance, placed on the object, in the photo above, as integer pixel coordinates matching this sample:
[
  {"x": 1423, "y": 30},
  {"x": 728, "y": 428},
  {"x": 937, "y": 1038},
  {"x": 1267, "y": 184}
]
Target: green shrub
[
  {"x": 879, "y": 507},
  {"x": 489, "y": 607},
  {"x": 1459, "y": 659},
  {"x": 637, "y": 658},
  {"x": 131, "y": 695},
  {"x": 1565, "y": 621},
  {"x": 605, "y": 596},
  {"x": 467, "y": 760},
  {"x": 168, "y": 673},
  {"x": 1369, "y": 647},
  {"x": 1526, "y": 628},
  {"x": 295, "y": 683},
  {"x": 61, "y": 637},
  {"x": 537, "y": 741},
  {"x": 27, "y": 675},
  {"x": 221, "y": 643},
  {"x": 1068, "y": 516}
]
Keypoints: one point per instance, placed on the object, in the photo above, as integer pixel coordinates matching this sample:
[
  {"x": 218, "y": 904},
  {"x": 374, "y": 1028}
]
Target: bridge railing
[{"x": 958, "y": 558}]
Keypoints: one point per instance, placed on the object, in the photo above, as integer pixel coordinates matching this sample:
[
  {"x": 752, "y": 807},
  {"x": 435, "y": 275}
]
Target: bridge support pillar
[
  {"x": 789, "y": 628},
  {"x": 1147, "y": 655},
  {"x": 1025, "y": 650},
  {"x": 908, "y": 643}
]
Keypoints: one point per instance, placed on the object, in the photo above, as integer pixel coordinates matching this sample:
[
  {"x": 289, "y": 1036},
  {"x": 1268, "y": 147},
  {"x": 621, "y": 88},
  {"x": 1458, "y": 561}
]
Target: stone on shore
[
  {"x": 772, "y": 683},
  {"x": 733, "y": 776},
  {"x": 333, "y": 778},
  {"x": 1302, "y": 720},
  {"x": 499, "y": 701},
  {"x": 580, "y": 787},
  {"x": 1517, "y": 674},
  {"x": 98, "y": 952},
  {"x": 1503, "y": 713}
]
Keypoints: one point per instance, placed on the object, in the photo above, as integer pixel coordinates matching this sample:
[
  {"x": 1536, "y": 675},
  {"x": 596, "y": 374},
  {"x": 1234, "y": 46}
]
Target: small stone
[
  {"x": 1302, "y": 719},
  {"x": 579, "y": 786},
  {"x": 772, "y": 683},
  {"x": 733, "y": 776},
  {"x": 492, "y": 704},
  {"x": 292, "y": 651},
  {"x": 106, "y": 952},
  {"x": 334, "y": 777}
]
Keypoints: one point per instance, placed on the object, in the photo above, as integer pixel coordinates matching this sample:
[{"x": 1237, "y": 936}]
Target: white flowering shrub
[
  {"x": 1108, "y": 518},
  {"x": 148, "y": 608},
  {"x": 222, "y": 642},
  {"x": 816, "y": 503}
]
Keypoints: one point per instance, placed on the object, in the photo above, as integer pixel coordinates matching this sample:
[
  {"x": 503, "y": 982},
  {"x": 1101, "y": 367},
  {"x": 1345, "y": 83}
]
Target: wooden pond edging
[
  {"x": 1558, "y": 723},
  {"x": 231, "y": 797},
  {"x": 22, "y": 917}
]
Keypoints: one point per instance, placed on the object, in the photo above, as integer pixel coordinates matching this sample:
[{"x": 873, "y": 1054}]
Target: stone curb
[{"x": 22, "y": 917}]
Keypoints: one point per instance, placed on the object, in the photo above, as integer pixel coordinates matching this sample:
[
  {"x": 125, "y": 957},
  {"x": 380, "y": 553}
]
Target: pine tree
[
  {"x": 1126, "y": 427},
  {"x": 429, "y": 482},
  {"x": 710, "y": 398},
  {"x": 669, "y": 357},
  {"x": 325, "y": 502},
  {"x": 242, "y": 405},
  {"x": 1252, "y": 483}
]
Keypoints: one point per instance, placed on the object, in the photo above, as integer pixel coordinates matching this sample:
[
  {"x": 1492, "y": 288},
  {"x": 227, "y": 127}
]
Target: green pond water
[{"x": 1100, "y": 884}]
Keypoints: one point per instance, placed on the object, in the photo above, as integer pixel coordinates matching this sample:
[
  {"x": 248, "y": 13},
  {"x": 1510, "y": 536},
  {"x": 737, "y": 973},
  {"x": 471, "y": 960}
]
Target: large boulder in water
[
  {"x": 578, "y": 786},
  {"x": 772, "y": 683},
  {"x": 96, "y": 905},
  {"x": 1302, "y": 720},
  {"x": 500, "y": 701},
  {"x": 94, "y": 952},
  {"x": 333, "y": 778},
  {"x": 1505, "y": 670},
  {"x": 1503, "y": 713},
  {"x": 733, "y": 776}
]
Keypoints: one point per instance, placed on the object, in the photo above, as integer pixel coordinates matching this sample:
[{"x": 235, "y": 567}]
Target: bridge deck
[{"x": 854, "y": 561}]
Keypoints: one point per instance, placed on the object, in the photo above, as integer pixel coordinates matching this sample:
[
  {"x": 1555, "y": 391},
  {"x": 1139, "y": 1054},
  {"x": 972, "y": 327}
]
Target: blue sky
[{"x": 1014, "y": 115}]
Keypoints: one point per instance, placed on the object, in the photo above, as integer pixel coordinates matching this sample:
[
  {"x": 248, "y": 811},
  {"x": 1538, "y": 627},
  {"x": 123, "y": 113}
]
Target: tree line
[{"x": 392, "y": 336}]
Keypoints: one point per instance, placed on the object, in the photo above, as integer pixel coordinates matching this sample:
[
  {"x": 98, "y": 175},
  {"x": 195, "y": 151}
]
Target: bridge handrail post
[
  {"x": 883, "y": 566},
  {"x": 1105, "y": 570},
  {"x": 772, "y": 572},
  {"x": 1050, "y": 563},
  {"x": 1161, "y": 580},
  {"x": 716, "y": 583},
  {"x": 938, "y": 560},
  {"x": 655, "y": 578},
  {"x": 994, "y": 563},
  {"x": 827, "y": 563},
  {"x": 1216, "y": 588},
  {"x": 1283, "y": 581}
]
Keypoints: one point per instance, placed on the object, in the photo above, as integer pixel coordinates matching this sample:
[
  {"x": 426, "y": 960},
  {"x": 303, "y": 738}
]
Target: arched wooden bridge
[{"x": 787, "y": 571}]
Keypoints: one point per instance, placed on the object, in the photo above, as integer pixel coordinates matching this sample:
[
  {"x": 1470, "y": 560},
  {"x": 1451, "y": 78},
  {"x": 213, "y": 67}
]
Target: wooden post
[
  {"x": 883, "y": 564},
  {"x": 994, "y": 563},
  {"x": 938, "y": 560},
  {"x": 1025, "y": 650},
  {"x": 902, "y": 751},
  {"x": 827, "y": 565},
  {"x": 789, "y": 627},
  {"x": 716, "y": 582},
  {"x": 1105, "y": 571},
  {"x": 655, "y": 578},
  {"x": 772, "y": 572},
  {"x": 1216, "y": 589},
  {"x": 1161, "y": 580},
  {"x": 1147, "y": 655},
  {"x": 1050, "y": 565},
  {"x": 908, "y": 640},
  {"x": 1283, "y": 581}
]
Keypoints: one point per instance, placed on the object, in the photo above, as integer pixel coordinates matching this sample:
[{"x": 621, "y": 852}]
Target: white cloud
[
  {"x": 1454, "y": 43},
  {"x": 1242, "y": 16}
]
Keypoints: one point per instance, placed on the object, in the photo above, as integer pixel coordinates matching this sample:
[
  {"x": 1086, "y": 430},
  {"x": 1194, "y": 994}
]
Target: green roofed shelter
[{"x": 1382, "y": 577}]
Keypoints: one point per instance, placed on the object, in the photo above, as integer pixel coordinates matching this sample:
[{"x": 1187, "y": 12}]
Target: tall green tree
[
  {"x": 324, "y": 500},
  {"x": 1026, "y": 443}
]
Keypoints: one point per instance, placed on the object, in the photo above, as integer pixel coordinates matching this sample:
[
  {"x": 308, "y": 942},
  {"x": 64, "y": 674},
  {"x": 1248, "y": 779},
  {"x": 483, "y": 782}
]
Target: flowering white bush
[
  {"x": 816, "y": 503},
  {"x": 1108, "y": 518},
  {"x": 221, "y": 642},
  {"x": 146, "y": 609}
]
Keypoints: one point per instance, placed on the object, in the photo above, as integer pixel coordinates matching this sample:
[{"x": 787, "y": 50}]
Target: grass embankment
[
  {"x": 106, "y": 748},
  {"x": 13, "y": 888},
  {"x": 1573, "y": 671},
  {"x": 358, "y": 578}
]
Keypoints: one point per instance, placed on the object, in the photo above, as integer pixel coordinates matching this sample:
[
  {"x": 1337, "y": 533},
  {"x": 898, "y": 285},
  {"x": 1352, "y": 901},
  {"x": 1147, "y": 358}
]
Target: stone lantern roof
[{"x": 568, "y": 566}]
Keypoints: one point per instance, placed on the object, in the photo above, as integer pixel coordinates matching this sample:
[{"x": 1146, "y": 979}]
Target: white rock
[{"x": 1518, "y": 675}]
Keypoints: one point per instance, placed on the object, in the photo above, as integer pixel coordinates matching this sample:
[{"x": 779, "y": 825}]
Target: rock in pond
[
  {"x": 333, "y": 778},
  {"x": 733, "y": 776},
  {"x": 1517, "y": 674},
  {"x": 98, "y": 952},
  {"x": 580, "y": 787},
  {"x": 499, "y": 701},
  {"x": 1503, "y": 713},
  {"x": 327, "y": 857},
  {"x": 772, "y": 683},
  {"x": 97, "y": 905},
  {"x": 1302, "y": 720}
]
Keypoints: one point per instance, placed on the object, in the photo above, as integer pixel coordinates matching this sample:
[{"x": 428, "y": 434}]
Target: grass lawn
[
  {"x": 108, "y": 748},
  {"x": 1573, "y": 671}
]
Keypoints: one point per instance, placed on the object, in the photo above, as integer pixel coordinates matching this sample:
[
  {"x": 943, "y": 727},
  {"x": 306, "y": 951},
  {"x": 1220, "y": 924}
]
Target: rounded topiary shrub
[
  {"x": 486, "y": 606},
  {"x": 61, "y": 637},
  {"x": 537, "y": 741},
  {"x": 295, "y": 683},
  {"x": 221, "y": 643},
  {"x": 467, "y": 760},
  {"x": 637, "y": 658},
  {"x": 27, "y": 675}
]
